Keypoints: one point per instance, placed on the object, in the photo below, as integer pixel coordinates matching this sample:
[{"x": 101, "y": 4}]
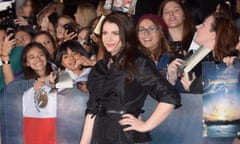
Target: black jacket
[{"x": 110, "y": 90}]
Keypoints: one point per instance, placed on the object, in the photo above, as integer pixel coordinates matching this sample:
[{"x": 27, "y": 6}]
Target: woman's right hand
[
  {"x": 40, "y": 82},
  {"x": 44, "y": 22},
  {"x": 21, "y": 21},
  {"x": 172, "y": 70},
  {"x": 69, "y": 36}
]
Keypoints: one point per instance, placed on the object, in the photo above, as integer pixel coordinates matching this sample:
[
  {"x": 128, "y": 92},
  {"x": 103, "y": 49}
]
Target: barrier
[
  {"x": 183, "y": 126},
  {"x": 71, "y": 105}
]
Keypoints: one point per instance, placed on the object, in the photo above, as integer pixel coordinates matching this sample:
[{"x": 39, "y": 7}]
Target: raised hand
[{"x": 8, "y": 44}]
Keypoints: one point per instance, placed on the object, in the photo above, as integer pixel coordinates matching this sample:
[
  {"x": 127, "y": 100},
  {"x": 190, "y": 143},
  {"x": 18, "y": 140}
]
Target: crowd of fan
[{"x": 70, "y": 42}]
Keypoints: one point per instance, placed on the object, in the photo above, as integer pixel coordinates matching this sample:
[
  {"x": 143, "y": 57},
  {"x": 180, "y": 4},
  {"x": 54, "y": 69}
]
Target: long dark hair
[
  {"x": 28, "y": 72},
  {"x": 188, "y": 27},
  {"x": 73, "y": 46},
  {"x": 130, "y": 46},
  {"x": 226, "y": 36}
]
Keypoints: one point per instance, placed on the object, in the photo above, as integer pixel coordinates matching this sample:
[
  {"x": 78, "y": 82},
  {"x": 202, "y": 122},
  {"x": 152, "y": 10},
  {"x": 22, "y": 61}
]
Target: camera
[{"x": 7, "y": 16}]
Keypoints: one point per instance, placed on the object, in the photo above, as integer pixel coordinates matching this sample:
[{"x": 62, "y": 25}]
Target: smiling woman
[
  {"x": 152, "y": 35},
  {"x": 118, "y": 86},
  {"x": 34, "y": 59},
  {"x": 38, "y": 105},
  {"x": 111, "y": 38}
]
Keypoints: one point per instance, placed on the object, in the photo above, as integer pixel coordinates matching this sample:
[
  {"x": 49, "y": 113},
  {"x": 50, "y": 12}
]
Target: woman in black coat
[{"x": 119, "y": 85}]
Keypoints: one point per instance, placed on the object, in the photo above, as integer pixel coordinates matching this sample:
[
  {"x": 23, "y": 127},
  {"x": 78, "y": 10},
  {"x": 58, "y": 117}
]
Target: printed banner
[
  {"x": 221, "y": 100},
  {"x": 71, "y": 109},
  {"x": 39, "y": 123},
  {"x": 60, "y": 122}
]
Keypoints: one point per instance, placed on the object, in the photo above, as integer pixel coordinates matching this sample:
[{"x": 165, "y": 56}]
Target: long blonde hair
[{"x": 86, "y": 12}]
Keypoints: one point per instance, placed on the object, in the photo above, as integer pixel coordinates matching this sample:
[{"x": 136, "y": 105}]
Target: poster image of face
[
  {"x": 108, "y": 4},
  {"x": 126, "y": 6}
]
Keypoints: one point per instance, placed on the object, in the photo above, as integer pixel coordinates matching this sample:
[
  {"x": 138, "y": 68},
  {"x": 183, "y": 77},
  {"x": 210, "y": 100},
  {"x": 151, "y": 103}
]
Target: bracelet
[{"x": 6, "y": 62}]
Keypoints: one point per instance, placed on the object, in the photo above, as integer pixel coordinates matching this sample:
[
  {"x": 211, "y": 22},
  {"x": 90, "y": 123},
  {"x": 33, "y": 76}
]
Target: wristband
[{"x": 6, "y": 62}]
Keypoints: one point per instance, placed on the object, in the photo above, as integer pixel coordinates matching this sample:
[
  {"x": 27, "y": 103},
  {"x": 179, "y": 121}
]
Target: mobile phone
[
  {"x": 69, "y": 27},
  {"x": 11, "y": 31},
  {"x": 53, "y": 17}
]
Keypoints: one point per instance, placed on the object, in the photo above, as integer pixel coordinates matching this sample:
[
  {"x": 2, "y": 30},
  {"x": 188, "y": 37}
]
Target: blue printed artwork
[{"x": 221, "y": 100}]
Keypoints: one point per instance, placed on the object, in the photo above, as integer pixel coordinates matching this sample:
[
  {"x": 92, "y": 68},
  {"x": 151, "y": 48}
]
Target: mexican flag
[
  {"x": 39, "y": 116},
  {"x": 59, "y": 121}
]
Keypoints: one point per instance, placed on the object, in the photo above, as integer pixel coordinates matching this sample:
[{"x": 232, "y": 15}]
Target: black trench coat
[{"x": 111, "y": 90}]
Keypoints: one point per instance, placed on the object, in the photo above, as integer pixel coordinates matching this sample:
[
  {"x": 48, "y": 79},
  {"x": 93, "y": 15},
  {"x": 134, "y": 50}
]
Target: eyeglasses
[{"x": 150, "y": 29}]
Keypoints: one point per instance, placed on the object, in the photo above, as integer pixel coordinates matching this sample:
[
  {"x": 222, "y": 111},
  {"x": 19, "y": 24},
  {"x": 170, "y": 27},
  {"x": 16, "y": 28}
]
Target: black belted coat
[{"x": 112, "y": 94}]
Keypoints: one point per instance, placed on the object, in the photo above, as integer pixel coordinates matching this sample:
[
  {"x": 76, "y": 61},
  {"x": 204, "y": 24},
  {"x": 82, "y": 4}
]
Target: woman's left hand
[
  {"x": 229, "y": 60},
  {"x": 133, "y": 123},
  {"x": 187, "y": 81}
]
